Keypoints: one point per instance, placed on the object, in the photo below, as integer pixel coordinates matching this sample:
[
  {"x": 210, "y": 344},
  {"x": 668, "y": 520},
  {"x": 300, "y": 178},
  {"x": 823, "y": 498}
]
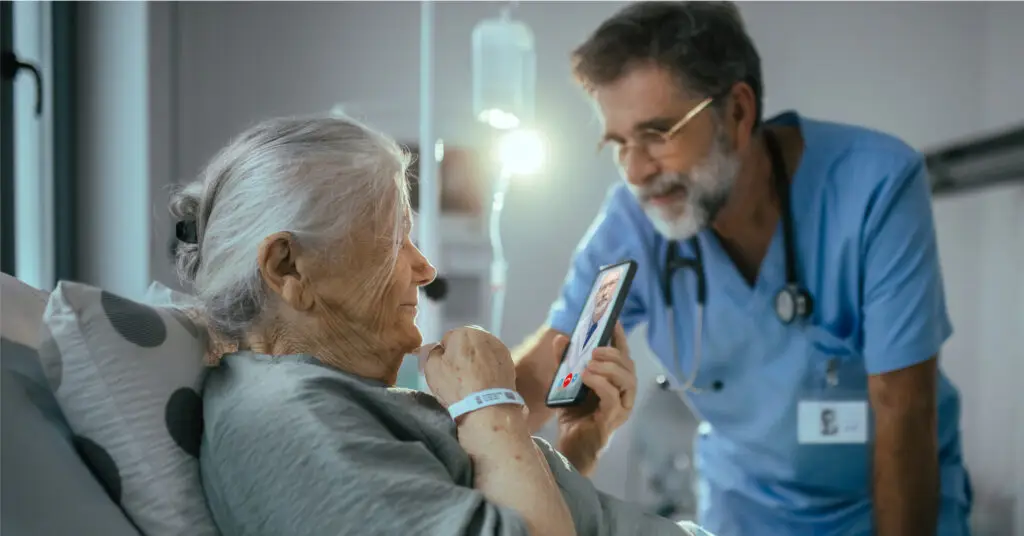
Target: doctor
[
  {"x": 790, "y": 283},
  {"x": 586, "y": 335}
]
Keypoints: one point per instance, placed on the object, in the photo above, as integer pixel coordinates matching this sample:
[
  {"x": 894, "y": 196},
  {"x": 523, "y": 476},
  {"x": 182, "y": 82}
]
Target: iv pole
[
  {"x": 503, "y": 65},
  {"x": 499, "y": 267},
  {"x": 429, "y": 241}
]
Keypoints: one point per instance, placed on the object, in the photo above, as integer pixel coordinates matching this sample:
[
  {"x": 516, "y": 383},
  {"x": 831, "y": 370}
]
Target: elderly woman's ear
[{"x": 286, "y": 271}]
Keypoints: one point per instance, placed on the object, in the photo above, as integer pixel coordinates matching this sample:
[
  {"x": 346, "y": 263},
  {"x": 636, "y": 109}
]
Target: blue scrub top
[{"x": 866, "y": 250}]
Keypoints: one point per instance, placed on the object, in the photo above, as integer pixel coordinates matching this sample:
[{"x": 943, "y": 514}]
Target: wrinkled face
[
  {"x": 412, "y": 271},
  {"x": 367, "y": 298},
  {"x": 604, "y": 295},
  {"x": 682, "y": 180}
]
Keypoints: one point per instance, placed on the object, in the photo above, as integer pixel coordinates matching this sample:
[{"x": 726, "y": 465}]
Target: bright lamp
[{"x": 521, "y": 152}]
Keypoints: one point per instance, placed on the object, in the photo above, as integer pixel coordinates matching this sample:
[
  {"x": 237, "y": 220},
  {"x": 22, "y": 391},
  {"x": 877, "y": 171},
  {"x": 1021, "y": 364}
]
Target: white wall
[
  {"x": 127, "y": 141},
  {"x": 929, "y": 72},
  {"x": 982, "y": 250},
  {"x": 982, "y": 254},
  {"x": 1003, "y": 66}
]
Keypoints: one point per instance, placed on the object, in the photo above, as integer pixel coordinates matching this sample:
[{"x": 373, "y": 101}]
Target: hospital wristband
[{"x": 483, "y": 399}]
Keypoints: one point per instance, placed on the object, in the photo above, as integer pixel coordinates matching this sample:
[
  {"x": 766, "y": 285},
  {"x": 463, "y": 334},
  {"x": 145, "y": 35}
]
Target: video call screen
[{"x": 587, "y": 334}]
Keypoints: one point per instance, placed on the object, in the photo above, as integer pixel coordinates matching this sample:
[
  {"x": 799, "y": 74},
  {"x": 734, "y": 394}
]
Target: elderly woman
[{"x": 297, "y": 243}]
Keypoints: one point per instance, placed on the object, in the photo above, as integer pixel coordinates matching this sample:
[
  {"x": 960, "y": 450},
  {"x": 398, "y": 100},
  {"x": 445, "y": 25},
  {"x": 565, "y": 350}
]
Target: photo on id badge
[
  {"x": 593, "y": 329},
  {"x": 831, "y": 413}
]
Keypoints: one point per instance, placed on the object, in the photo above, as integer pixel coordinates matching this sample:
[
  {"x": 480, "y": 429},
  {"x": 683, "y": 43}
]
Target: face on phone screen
[{"x": 585, "y": 337}]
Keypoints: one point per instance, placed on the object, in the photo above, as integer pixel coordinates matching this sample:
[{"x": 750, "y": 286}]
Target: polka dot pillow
[{"x": 127, "y": 377}]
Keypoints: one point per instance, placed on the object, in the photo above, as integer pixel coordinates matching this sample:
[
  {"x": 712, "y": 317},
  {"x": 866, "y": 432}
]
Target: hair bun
[
  {"x": 186, "y": 231},
  {"x": 184, "y": 208},
  {"x": 185, "y": 202}
]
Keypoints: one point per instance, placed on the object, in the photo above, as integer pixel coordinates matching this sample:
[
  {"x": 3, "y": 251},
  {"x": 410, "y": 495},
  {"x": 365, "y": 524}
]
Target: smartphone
[{"x": 593, "y": 329}]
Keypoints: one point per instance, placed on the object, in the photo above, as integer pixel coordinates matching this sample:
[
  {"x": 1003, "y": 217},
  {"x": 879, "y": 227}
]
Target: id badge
[
  {"x": 830, "y": 418},
  {"x": 832, "y": 422}
]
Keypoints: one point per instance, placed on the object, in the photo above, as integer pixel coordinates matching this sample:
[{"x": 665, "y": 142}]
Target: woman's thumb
[{"x": 424, "y": 352}]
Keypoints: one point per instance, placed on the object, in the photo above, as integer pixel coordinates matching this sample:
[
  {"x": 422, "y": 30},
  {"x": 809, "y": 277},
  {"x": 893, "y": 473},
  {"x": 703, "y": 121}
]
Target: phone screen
[{"x": 593, "y": 329}]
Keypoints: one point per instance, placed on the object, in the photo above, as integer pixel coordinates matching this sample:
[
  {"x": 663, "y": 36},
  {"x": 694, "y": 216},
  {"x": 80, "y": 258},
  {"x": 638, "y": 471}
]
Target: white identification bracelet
[{"x": 483, "y": 399}]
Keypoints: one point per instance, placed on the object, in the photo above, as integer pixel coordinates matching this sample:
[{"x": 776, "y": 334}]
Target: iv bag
[{"x": 504, "y": 72}]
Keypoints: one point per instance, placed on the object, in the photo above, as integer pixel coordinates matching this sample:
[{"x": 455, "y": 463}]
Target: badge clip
[{"x": 832, "y": 373}]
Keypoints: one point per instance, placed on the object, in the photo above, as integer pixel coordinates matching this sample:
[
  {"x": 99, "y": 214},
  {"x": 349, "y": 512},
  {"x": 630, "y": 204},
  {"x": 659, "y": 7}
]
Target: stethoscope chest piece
[{"x": 793, "y": 302}]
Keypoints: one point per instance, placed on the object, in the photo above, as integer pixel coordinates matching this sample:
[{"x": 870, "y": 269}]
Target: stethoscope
[{"x": 792, "y": 302}]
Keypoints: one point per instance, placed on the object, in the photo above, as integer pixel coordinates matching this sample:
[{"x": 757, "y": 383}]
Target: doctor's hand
[{"x": 611, "y": 376}]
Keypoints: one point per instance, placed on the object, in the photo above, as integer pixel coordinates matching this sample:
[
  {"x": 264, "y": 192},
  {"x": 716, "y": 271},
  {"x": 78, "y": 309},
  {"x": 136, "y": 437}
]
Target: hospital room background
[{"x": 138, "y": 96}]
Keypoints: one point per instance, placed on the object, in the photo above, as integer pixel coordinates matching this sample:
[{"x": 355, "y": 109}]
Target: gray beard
[{"x": 708, "y": 187}]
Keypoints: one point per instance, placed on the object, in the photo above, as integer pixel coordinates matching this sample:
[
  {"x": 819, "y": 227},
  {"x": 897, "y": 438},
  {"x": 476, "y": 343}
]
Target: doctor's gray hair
[
  {"x": 704, "y": 44},
  {"x": 319, "y": 178}
]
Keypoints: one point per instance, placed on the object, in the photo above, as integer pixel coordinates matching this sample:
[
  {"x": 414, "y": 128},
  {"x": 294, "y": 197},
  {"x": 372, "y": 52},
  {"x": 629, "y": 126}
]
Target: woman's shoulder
[
  {"x": 249, "y": 395},
  {"x": 292, "y": 394},
  {"x": 270, "y": 379},
  {"x": 258, "y": 382}
]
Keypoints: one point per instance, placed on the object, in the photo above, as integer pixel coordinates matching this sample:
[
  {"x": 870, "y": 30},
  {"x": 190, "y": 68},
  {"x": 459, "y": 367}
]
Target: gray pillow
[{"x": 46, "y": 487}]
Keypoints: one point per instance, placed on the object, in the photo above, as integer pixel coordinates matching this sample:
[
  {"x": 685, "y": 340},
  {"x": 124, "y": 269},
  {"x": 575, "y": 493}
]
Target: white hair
[{"x": 320, "y": 178}]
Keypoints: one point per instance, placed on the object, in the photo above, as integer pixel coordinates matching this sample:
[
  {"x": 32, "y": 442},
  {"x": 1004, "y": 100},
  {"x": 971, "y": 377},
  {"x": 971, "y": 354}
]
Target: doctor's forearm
[
  {"x": 906, "y": 480},
  {"x": 536, "y": 364},
  {"x": 582, "y": 450},
  {"x": 906, "y": 458}
]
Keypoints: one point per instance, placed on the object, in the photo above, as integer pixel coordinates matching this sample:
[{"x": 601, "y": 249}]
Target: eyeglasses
[{"x": 654, "y": 142}]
